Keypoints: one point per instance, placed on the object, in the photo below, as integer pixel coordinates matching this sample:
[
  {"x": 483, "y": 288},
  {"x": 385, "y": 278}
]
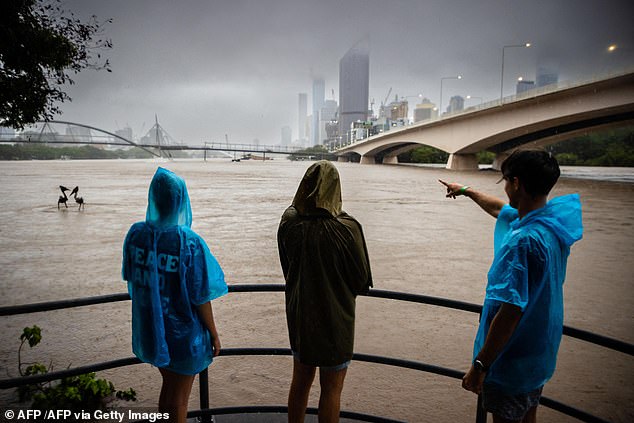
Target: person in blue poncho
[
  {"x": 172, "y": 278},
  {"x": 521, "y": 325}
]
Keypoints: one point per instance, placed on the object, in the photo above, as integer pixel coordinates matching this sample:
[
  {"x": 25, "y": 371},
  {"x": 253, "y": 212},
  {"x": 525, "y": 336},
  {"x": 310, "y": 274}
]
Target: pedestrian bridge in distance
[{"x": 538, "y": 117}]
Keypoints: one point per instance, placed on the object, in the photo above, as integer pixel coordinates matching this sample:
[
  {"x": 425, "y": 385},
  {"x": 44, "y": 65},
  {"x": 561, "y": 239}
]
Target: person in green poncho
[{"x": 325, "y": 263}]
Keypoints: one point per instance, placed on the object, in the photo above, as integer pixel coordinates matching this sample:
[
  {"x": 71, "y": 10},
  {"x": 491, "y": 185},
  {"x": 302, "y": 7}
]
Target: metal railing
[{"x": 205, "y": 412}]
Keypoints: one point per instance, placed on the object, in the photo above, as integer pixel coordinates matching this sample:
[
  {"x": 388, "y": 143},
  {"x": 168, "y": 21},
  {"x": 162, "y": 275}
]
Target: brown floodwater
[{"x": 419, "y": 242}]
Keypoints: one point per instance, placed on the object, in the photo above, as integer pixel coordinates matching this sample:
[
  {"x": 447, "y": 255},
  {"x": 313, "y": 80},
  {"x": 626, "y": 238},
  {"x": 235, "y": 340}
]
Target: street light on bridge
[
  {"x": 525, "y": 45},
  {"x": 469, "y": 97},
  {"x": 412, "y": 96},
  {"x": 441, "y": 81}
]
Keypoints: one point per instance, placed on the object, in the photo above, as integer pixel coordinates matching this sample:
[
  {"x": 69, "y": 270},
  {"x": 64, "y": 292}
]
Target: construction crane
[
  {"x": 384, "y": 103},
  {"x": 387, "y": 96}
]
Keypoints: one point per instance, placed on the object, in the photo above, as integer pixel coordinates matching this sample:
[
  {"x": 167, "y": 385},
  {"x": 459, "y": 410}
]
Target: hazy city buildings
[
  {"x": 523, "y": 86},
  {"x": 287, "y": 135},
  {"x": 301, "y": 121},
  {"x": 397, "y": 109},
  {"x": 124, "y": 133},
  {"x": 354, "y": 87},
  {"x": 319, "y": 96},
  {"x": 327, "y": 115},
  {"x": 7, "y": 133},
  {"x": 456, "y": 103},
  {"x": 425, "y": 110},
  {"x": 546, "y": 76}
]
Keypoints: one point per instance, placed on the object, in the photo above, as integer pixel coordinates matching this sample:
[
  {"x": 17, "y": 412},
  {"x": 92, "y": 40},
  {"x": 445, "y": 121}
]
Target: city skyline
[{"x": 213, "y": 68}]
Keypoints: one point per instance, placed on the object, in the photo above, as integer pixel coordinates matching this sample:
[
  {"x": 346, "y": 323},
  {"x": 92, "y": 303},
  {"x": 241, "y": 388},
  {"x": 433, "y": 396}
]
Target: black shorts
[{"x": 510, "y": 407}]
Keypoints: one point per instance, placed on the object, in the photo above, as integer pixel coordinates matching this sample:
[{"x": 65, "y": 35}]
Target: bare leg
[
  {"x": 531, "y": 416},
  {"x": 303, "y": 376},
  {"x": 498, "y": 419},
  {"x": 330, "y": 399},
  {"x": 174, "y": 395}
]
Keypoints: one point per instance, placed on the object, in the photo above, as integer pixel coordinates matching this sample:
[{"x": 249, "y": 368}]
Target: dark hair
[{"x": 537, "y": 170}]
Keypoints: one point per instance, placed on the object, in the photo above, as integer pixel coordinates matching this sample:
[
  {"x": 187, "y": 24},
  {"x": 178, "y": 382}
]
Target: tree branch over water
[{"x": 41, "y": 47}]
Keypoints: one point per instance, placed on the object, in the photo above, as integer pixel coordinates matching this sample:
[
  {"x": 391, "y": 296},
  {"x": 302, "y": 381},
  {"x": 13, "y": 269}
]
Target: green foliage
[
  {"x": 82, "y": 392},
  {"x": 318, "y": 152},
  {"x": 28, "y": 151},
  {"x": 613, "y": 147},
  {"x": 32, "y": 335},
  {"x": 41, "y": 45},
  {"x": 424, "y": 154},
  {"x": 485, "y": 157}
]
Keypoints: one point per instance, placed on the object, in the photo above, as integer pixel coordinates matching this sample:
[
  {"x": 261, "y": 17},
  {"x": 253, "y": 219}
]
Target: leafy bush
[{"x": 83, "y": 392}]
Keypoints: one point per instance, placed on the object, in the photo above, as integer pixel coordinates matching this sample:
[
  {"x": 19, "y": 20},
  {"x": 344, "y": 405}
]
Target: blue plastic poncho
[
  {"x": 528, "y": 270},
  {"x": 170, "y": 271}
]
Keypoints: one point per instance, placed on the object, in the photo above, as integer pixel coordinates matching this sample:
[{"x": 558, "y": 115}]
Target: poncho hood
[
  {"x": 168, "y": 201},
  {"x": 561, "y": 214},
  {"x": 319, "y": 191}
]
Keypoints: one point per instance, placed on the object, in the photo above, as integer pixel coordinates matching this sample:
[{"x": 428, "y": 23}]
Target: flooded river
[{"x": 418, "y": 241}]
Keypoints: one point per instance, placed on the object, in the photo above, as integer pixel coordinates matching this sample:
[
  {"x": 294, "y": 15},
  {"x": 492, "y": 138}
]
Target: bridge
[
  {"x": 157, "y": 141},
  {"x": 538, "y": 117}
]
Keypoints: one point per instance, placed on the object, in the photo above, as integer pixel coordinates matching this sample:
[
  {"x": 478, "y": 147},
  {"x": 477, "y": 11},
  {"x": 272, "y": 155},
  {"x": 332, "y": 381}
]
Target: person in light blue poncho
[
  {"x": 521, "y": 325},
  {"x": 172, "y": 278}
]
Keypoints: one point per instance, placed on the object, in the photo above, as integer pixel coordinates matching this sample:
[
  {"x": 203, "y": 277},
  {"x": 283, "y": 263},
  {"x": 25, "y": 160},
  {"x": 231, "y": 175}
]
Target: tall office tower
[
  {"x": 301, "y": 121},
  {"x": 546, "y": 76},
  {"x": 425, "y": 110},
  {"x": 455, "y": 104},
  {"x": 287, "y": 135},
  {"x": 354, "y": 87},
  {"x": 327, "y": 115},
  {"x": 523, "y": 86},
  {"x": 319, "y": 96}
]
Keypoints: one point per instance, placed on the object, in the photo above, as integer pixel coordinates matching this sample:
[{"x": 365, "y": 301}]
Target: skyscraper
[
  {"x": 354, "y": 87},
  {"x": 455, "y": 104},
  {"x": 301, "y": 120},
  {"x": 327, "y": 116},
  {"x": 425, "y": 110},
  {"x": 546, "y": 76},
  {"x": 319, "y": 96},
  {"x": 523, "y": 86},
  {"x": 287, "y": 135}
]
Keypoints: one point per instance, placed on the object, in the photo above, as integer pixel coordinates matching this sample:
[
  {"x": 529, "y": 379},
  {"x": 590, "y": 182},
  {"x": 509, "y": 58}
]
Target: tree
[{"x": 41, "y": 47}]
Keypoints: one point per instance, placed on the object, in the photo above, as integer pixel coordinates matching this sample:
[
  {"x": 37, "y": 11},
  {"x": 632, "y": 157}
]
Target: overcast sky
[{"x": 209, "y": 68}]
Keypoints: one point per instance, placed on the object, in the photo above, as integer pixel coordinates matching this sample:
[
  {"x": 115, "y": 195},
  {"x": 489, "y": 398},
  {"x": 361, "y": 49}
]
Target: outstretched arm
[
  {"x": 207, "y": 316},
  {"x": 488, "y": 203}
]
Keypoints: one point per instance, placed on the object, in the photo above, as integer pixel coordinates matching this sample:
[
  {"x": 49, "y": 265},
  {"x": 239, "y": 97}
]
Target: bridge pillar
[
  {"x": 343, "y": 159},
  {"x": 499, "y": 159},
  {"x": 390, "y": 160},
  {"x": 367, "y": 160},
  {"x": 462, "y": 162}
]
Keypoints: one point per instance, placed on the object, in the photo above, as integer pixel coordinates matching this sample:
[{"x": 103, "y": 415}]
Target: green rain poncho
[{"x": 325, "y": 263}]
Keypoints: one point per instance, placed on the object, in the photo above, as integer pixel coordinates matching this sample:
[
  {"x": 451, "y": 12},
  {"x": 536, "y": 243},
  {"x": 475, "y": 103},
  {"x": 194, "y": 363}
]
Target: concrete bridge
[{"x": 535, "y": 117}]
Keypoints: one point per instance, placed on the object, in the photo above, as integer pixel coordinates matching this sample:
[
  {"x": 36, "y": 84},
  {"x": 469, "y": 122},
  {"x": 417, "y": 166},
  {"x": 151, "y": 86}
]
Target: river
[{"x": 418, "y": 242}]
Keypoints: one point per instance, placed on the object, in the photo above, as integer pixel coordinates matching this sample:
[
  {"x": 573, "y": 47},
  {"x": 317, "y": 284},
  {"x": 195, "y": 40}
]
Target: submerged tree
[{"x": 41, "y": 47}]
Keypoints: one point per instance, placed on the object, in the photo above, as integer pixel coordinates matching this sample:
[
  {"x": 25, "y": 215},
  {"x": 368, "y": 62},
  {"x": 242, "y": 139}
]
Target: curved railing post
[
  {"x": 481, "y": 413},
  {"x": 203, "y": 390}
]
